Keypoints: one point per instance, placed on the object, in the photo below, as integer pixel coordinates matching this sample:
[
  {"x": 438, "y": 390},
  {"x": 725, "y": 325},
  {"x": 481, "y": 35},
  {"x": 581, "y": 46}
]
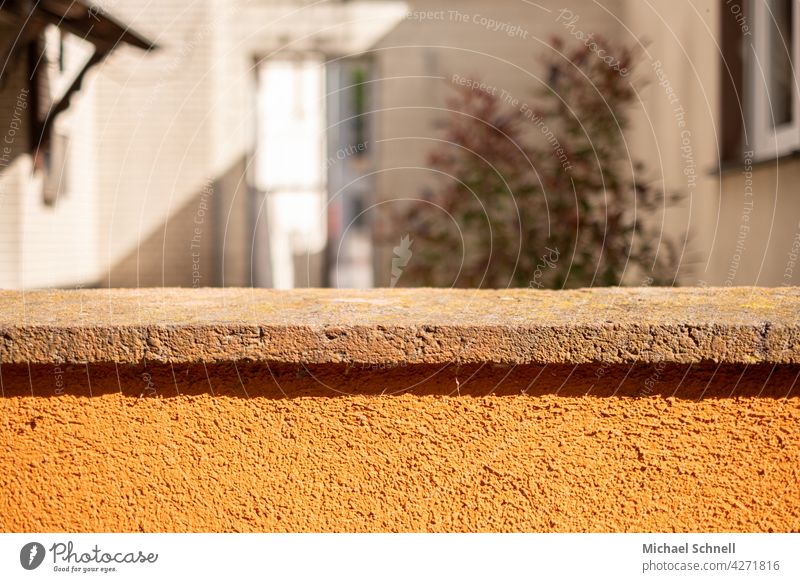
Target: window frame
[
  {"x": 770, "y": 142},
  {"x": 55, "y": 169}
]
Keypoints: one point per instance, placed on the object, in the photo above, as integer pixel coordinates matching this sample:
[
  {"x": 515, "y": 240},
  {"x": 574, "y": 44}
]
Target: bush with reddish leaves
[{"x": 546, "y": 195}]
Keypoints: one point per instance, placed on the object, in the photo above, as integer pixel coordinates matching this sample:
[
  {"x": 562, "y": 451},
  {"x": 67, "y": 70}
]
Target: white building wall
[
  {"x": 45, "y": 245},
  {"x": 13, "y": 168},
  {"x": 59, "y": 242},
  {"x": 155, "y": 116}
]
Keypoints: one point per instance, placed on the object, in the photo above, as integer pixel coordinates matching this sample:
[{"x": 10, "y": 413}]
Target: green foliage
[{"x": 546, "y": 195}]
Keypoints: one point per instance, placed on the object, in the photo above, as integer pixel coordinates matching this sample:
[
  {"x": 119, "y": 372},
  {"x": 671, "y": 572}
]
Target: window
[
  {"x": 774, "y": 110},
  {"x": 290, "y": 166},
  {"x": 55, "y": 169}
]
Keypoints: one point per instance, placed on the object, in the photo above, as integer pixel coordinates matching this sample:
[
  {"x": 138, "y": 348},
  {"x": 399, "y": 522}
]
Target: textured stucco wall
[{"x": 608, "y": 451}]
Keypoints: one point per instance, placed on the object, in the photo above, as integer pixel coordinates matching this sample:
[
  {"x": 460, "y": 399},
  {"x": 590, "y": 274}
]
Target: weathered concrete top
[{"x": 402, "y": 326}]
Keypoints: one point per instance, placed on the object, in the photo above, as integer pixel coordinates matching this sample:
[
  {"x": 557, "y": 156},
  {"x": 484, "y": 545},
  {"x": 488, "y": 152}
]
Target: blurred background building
[{"x": 259, "y": 142}]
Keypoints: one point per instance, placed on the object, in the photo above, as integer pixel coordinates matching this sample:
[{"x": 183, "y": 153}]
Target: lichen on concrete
[{"x": 413, "y": 326}]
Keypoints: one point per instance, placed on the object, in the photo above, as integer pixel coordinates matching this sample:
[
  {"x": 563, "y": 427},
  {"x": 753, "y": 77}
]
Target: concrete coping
[{"x": 402, "y": 326}]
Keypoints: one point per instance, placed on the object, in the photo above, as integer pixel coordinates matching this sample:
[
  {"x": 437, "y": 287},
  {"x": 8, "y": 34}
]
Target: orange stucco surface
[{"x": 600, "y": 449}]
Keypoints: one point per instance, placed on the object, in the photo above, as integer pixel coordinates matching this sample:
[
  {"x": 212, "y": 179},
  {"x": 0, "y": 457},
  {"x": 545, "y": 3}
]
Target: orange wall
[{"x": 115, "y": 462}]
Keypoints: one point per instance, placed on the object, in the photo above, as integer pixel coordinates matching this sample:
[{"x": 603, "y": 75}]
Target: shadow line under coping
[{"x": 280, "y": 380}]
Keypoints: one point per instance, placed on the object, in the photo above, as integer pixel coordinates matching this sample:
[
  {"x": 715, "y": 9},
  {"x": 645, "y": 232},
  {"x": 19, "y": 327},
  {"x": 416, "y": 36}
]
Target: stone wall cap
[{"x": 737, "y": 325}]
